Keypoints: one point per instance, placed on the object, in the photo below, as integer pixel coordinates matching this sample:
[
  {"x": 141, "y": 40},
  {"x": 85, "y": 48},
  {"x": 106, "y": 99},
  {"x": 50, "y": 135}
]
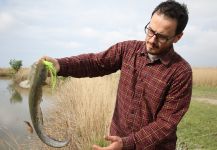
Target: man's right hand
[{"x": 52, "y": 60}]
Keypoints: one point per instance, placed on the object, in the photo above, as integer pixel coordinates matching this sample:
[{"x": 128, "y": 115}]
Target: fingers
[
  {"x": 116, "y": 144},
  {"x": 47, "y": 58},
  {"x": 42, "y": 59},
  {"x": 52, "y": 60},
  {"x": 112, "y": 138},
  {"x": 96, "y": 147}
]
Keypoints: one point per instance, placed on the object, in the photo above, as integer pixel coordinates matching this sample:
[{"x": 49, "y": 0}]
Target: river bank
[
  {"x": 6, "y": 72},
  {"x": 14, "y": 115}
]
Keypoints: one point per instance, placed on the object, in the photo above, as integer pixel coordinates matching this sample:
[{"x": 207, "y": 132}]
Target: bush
[{"x": 15, "y": 64}]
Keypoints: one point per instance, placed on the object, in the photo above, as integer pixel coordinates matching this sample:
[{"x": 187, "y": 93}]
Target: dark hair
[{"x": 174, "y": 10}]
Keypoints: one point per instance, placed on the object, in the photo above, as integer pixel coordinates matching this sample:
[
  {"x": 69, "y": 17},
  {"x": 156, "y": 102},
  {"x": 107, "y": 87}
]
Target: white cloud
[
  {"x": 199, "y": 46},
  {"x": 69, "y": 45},
  {"x": 6, "y": 21},
  {"x": 78, "y": 24},
  {"x": 88, "y": 32}
]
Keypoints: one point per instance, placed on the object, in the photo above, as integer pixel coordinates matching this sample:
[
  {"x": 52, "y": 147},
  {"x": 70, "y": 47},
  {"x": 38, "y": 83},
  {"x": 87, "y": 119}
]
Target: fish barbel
[{"x": 39, "y": 75}]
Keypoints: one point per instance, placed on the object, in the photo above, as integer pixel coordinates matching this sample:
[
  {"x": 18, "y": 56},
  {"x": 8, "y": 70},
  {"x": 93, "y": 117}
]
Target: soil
[{"x": 206, "y": 100}]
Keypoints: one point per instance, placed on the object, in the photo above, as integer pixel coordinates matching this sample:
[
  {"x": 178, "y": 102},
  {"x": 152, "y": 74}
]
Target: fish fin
[
  {"x": 29, "y": 127},
  {"x": 41, "y": 118}
]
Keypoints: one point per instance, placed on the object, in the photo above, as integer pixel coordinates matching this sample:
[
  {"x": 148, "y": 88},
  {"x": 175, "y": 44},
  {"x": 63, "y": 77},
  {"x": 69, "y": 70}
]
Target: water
[{"x": 14, "y": 110}]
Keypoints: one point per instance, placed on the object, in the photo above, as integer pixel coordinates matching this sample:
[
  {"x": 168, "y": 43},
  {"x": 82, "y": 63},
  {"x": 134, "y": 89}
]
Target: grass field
[
  {"x": 198, "y": 129},
  {"x": 205, "y": 92}
]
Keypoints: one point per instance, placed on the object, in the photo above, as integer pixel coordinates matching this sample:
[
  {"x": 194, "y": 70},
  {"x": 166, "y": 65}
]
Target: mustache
[{"x": 153, "y": 45}]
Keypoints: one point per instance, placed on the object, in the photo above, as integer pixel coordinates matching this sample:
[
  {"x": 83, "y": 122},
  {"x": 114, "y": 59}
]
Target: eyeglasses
[{"x": 160, "y": 38}]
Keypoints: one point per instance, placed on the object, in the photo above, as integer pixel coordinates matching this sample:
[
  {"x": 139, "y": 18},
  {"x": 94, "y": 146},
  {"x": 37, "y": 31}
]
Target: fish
[{"x": 39, "y": 75}]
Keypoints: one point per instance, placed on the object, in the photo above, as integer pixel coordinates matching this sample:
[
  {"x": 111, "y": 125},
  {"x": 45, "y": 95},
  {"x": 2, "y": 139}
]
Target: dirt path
[{"x": 205, "y": 100}]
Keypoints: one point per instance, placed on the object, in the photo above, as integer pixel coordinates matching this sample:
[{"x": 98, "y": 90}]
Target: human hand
[
  {"x": 116, "y": 144},
  {"x": 52, "y": 60}
]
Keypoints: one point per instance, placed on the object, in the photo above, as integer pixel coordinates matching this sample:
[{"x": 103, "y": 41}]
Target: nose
[{"x": 153, "y": 39}]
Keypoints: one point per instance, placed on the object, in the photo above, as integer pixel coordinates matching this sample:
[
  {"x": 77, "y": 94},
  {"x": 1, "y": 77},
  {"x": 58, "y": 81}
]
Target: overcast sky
[{"x": 30, "y": 29}]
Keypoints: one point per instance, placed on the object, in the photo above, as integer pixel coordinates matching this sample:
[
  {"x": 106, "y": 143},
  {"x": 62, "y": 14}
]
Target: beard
[
  {"x": 152, "y": 48},
  {"x": 156, "y": 49}
]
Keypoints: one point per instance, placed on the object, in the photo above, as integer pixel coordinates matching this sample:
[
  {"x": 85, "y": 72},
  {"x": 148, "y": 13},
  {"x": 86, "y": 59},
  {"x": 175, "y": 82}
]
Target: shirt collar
[
  {"x": 165, "y": 58},
  {"x": 153, "y": 58}
]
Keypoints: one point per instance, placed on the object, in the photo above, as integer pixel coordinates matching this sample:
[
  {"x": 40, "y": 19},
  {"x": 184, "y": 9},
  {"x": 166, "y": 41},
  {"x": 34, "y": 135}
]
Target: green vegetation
[
  {"x": 101, "y": 142},
  {"x": 15, "y": 95},
  {"x": 205, "y": 91},
  {"x": 198, "y": 129},
  {"x": 15, "y": 64},
  {"x": 52, "y": 71}
]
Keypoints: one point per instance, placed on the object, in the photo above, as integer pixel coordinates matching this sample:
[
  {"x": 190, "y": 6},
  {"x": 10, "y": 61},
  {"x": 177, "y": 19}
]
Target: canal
[{"x": 14, "y": 113}]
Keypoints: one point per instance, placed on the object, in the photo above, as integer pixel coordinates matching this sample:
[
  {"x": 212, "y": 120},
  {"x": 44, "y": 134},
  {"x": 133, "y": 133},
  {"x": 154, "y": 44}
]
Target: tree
[{"x": 15, "y": 64}]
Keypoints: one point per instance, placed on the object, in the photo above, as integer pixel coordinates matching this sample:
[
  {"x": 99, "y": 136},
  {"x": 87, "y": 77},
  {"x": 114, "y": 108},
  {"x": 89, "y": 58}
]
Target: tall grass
[
  {"x": 21, "y": 75},
  {"x": 201, "y": 76},
  {"x": 17, "y": 77},
  {"x": 85, "y": 106},
  {"x": 6, "y": 72},
  {"x": 89, "y": 103},
  {"x": 205, "y": 77}
]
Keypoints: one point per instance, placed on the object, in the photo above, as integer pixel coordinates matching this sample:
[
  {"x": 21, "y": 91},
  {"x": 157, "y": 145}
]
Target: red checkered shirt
[{"x": 152, "y": 96}]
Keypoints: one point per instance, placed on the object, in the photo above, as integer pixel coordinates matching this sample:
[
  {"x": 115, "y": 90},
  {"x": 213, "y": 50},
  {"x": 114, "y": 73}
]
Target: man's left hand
[{"x": 116, "y": 144}]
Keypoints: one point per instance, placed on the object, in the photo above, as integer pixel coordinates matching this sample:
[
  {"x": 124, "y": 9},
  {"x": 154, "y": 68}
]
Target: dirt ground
[{"x": 205, "y": 100}]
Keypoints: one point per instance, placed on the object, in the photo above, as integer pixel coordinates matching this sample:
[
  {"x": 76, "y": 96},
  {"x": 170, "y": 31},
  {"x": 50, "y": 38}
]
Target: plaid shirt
[{"x": 152, "y": 96}]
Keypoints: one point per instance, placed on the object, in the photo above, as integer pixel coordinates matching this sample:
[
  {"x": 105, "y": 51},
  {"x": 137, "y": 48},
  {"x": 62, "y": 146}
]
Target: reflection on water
[
  {"x": 14, "y": 113},
  {"x": 15, "y": 95}
]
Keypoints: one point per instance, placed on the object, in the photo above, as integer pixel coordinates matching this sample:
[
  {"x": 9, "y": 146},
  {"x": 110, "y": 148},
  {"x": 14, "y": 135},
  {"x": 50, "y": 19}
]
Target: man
[{"x": 155, "y": 84}]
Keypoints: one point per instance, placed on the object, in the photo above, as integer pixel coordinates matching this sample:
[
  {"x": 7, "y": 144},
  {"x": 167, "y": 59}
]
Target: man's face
[{"x": 160, "y": 34}]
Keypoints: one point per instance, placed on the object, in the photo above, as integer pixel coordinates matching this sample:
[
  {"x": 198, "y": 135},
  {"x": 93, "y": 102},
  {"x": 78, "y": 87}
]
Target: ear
[{"x": 177, "y": 37}]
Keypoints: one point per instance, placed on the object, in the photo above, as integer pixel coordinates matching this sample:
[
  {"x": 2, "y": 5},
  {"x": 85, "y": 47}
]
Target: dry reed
[
  {"x": 205, "y": 77},
  {"x": 88, "y": 105},
  {"x": 85, "y": 107},
  {"x": 21, "y": 75},
  {"x": 5, "y": 72},
  {"x": 201, "y": 76}
]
